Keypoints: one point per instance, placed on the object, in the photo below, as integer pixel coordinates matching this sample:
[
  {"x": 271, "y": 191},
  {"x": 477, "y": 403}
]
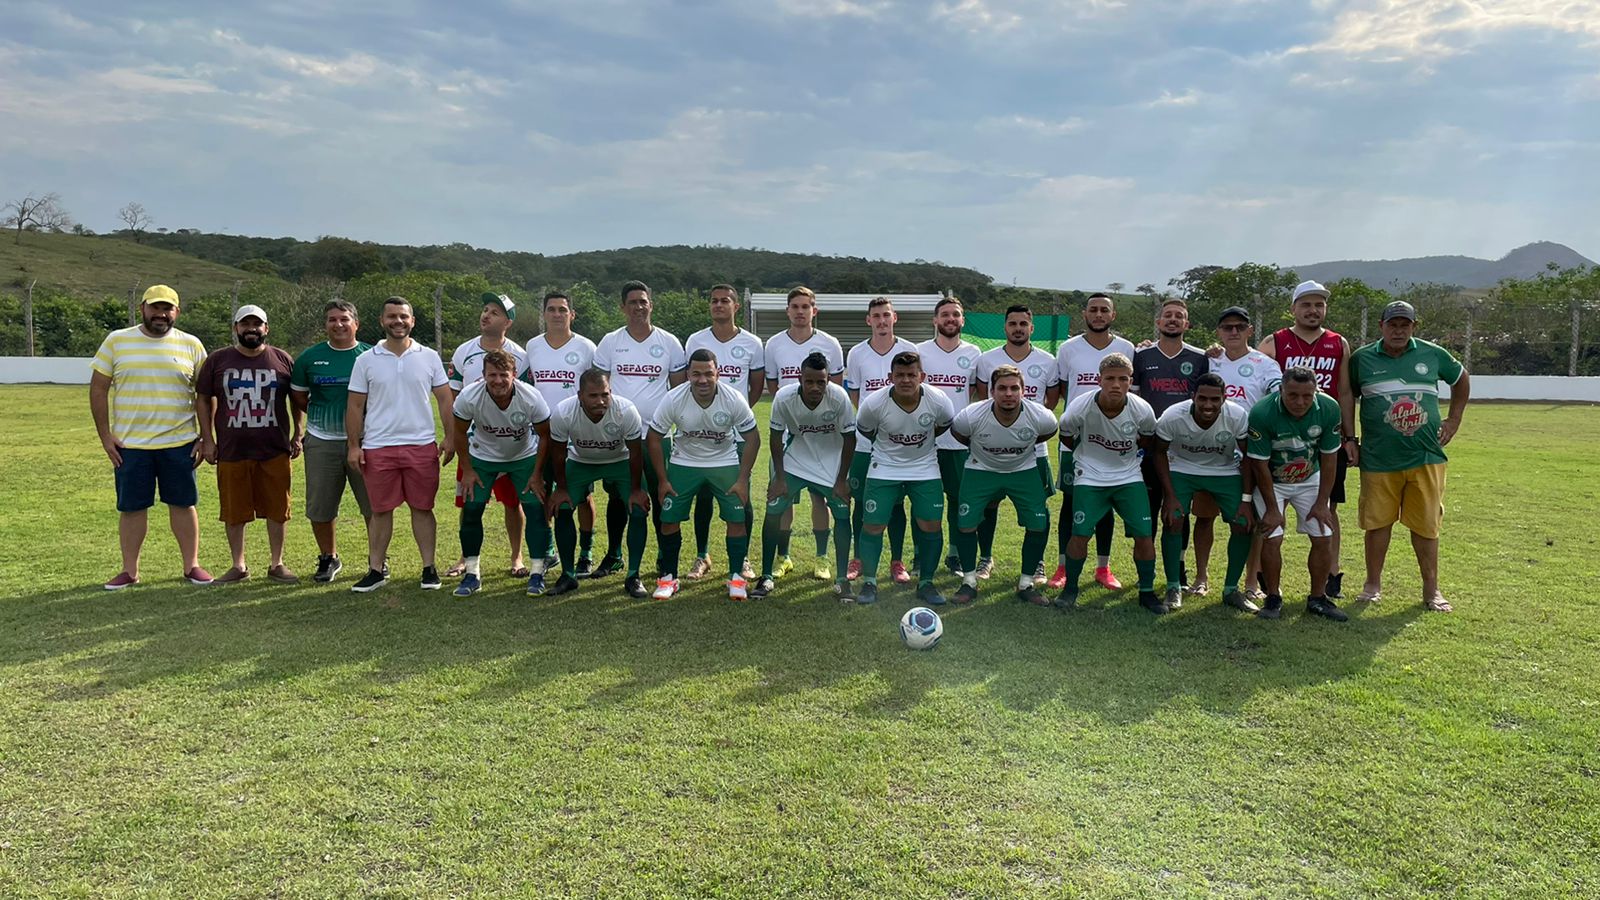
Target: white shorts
[{"x": 1302, "y": 497}]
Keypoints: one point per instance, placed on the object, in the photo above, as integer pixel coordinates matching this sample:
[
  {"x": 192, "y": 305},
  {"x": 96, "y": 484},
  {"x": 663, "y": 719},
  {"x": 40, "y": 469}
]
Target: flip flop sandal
[
  {"x": 1369, "y": 596},
  {"x": 456, "y": 571},
  {"x": 521, "y": 572},
  {"x": 1437, "y": 604}
]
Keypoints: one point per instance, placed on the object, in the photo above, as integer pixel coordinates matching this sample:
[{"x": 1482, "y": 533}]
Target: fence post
[
  {"x": 438, "y": 317},
  {"x": 133, "y": 304},
  {"x": 235, "y": 310},
  {"x": 1257, "y": 312},
  {"x": 1366, "y": 306},
  {"x": 1472, "y": 315},
  {"x": 27, "y": 314},
  {"x": 1572, "y": 354}
]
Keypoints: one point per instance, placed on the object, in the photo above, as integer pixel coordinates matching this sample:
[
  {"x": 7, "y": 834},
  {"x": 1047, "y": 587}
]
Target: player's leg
[
  {"x": 458, "y": 567},
  {"x": 1089, "y": 505},
  {"x": 703, "y": 510},
  {"x": 1377, "y": 509},
  {"x": 1202, "y": 534},
  {"x": 470, "y": 528},
  {"x": 771, "y": 527},
  {"x": 235, "y": 509},
  {"x": 1271, "y": 557},
  {"x": 1183, "y": 491},
  {"x": 897, "y": 545},
  {"x": 674, "y": 511},
  {"x": 536, "y": 528},
  {"x": 585, "y": 515},
  {"x": 1063, "y": 523},
  {"x": 176, "y": 486},
  {"x": 1033, "y": 515},
  {"x": 272, "y": 487},
  {"x": 1422, "y": 511},
  {"x": 737, "y": 536},
  {"x": 879, "y": 499},
  {"x": 975, "y": 495},
  {"x": 1335, "y": 583},
  {"x": 859, "y": 464},
  {"x": 516, "y": 524},
  {"x": 1132, "y": 503},
  {"x": 927, "y": 511},
  {"x": 1319, "y": 560}
]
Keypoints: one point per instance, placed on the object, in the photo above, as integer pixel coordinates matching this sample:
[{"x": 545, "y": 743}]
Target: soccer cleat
[
  {"x": 198, "y": 576},
  {"x": 738, "y": 589},
  {"x": 762, "y": 587},
  {"x": 1058, "y": 579},
  {"x": 965, "y": 594},
  {"x": 371, "y": 581},
  {"x": 1067, "y": 601},
  {"x": 665, "y": 588},
  {"x": 1322, "y": 606},
  {"x": 700, "y": 569},
  {"x": 1174, "y": 598},
  {"x": 853, "y": 571},
  {"x": 1033, "y": 595},
  {"x": 122, "y": 580},
  {"x": 566, "y": 584},
  {"x": 536, "y": 584},
  {"x": 234, "y": 575},
  {"x": 328, "y": 568},
  {"x": 469, "y": 585},
  {"x": 1150, "y": 601},
  {"x": 952, "y": 564},
  {"x": 868, "y": 595},
  {"x": 929, "y": 594},
  {"x": 1272, "y": 608},
  {"x": 1239, "y": 601},
  {"x": 1335, "y": 588},
  {"x": 635, "y": 588},
  {"x": 985, "y": 568},
  {"x": 747, "y": 571},
  {"x": 822, "y": 572},
  {"x": 430, "y": 579},
  {"x": 609, "y": 565},
  {"x": 784, "y": 566},
  {"x": 841, "y": 589},
  {"x": 550, "y": 562},
  {"x": 897, "y": 571},
  {"x": 1103, "y": 576},
  {"x": 582, "y": 569}
]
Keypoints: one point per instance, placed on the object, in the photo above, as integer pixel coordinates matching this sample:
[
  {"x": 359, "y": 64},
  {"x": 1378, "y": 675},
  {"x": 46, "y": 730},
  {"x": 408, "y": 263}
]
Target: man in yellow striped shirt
[{"x": 142, "y": 397}]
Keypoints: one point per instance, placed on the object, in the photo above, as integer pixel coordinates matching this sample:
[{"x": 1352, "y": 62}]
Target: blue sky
[{"x": 1060, "y": 144}]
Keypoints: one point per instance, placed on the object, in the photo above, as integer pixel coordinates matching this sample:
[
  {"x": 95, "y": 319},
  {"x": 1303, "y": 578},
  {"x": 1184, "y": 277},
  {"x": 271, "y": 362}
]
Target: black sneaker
[
  {"x": 430, "y": 579},
  {"x": 1322, "y": 606},
  {"x": 965, "y": 594},
  {"x": 550, "y": 563},
  {"x": 582, "y": 569},
  {"x": 633, "y": 587},
  {"x": 952, "y": 565},
  {"x": 609, "y": 565},
  {"x": 370, "y": 581},
  {"x": 1149, "y": 600},
  {"x": 328, "y": 567},
  {"x": 563, "y": 585},
  {"x": 762, "y": 587},
  {"x": 1273, "y": 608},
  {"x": 841, "y": 589},
  {"x": 1067, "y": 601},
  {"x": 929, "y": 594},
  {"x": 1236, "y": 599},
  {"x": 1335, "y": 589},
  {"x": 1033, "y": 595},
  {"x": 868, "y": 595}
]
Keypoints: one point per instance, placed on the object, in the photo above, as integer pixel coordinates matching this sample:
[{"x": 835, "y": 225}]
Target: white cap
[
  {"x": 1308, "y": 287},
  {"x": 249, "y": 309}
]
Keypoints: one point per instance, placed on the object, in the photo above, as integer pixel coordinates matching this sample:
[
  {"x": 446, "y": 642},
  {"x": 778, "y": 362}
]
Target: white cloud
[
  {"x": 1399, "y": 30},
  {"x": 1189, "y": 97},
  {"x": 1069, "y": 125},
  {"x": 153, "y": 80}
]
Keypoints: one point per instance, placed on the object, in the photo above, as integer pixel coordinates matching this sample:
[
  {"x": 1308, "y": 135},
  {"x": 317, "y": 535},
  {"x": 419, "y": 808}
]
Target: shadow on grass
[{"x": 1109, "y": 659}]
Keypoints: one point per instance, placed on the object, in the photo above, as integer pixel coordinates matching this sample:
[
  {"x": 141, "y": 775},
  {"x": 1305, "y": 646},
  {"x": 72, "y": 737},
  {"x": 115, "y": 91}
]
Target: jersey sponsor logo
[
  {"x": 787, "y": 372},
  {"x": 1030, "y": 392},
  {"x": 1205, "y": 449},
  {"x": 705, "y": 435},
  {"x": 909, "y": 440},
  {"x": 1235, "y": 392},
  {"x": 731, "y": 372},
  {"x": 327, "y": 380},
  {"x": 1004, "y": 451},
  {"x": 1115, "y": 446},
  {"x": 563, "y": 377},
  {"x": 515, "y": 432},
  {"x": 828, "y": 428},
  {"x": 1170, "y": 385},
  {"x": 321, "y": 362},
  {"x": 1292, "y": 472},
  {"x": 1406, "y": 415},
  {"x": 1088, "y": 379},
  {"x": 590, "y": 444},
  {"x": 947, "y": 382},
  {"x": 631, "y": 370}
]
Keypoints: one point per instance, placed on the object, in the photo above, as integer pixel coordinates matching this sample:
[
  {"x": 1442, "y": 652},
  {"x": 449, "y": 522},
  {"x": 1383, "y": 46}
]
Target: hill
[
  {"x": 1463, "y": 271},
  {"x": 85, "y": 266}
]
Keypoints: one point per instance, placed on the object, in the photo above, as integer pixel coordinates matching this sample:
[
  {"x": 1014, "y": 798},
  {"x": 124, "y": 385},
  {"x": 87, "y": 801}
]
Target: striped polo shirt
[{"x": 152, "y": 386}]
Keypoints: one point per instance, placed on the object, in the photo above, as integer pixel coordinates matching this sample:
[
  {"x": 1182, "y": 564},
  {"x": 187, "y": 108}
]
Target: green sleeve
[
  {"x": 1448, "y": 366},
  {"x": 1331, "y": 426},
  {"x": 1260, "y": 445}
]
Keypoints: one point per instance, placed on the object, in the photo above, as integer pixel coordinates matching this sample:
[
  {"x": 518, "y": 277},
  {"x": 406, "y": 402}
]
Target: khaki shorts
[
  {"x": 249, "y": 488},
  {"x": 328, "y": 470},
  {"x": 1412, "y": 497}
]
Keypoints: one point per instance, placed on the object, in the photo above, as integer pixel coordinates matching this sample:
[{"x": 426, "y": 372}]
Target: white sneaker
[
  {"x": 665, "y": 588},
  {"x": 738, "y": 588}
]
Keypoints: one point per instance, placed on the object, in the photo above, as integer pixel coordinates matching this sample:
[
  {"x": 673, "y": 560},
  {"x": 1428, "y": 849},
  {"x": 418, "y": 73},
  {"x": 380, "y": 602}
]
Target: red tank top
[{"x": 1325, "y": 356}]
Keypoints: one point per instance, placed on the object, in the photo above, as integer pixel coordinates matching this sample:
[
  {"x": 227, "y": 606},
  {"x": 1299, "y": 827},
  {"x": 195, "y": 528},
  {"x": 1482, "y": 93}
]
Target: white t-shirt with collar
[{"x": 399, "y": 393}]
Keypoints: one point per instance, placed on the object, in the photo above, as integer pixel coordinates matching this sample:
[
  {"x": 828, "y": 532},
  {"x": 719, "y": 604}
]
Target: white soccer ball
[{"x": 921, "y": 628}]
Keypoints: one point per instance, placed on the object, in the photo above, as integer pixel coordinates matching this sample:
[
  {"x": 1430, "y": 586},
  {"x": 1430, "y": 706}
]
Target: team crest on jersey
[
  {"x": 738, "y": 353},
  {"x": 1036, "y": 371},
  {"x": 1186, "y": 368},
  {"x": 1127, "y": 427},
  {"x": 612, "y": 429},
  {"x": 519, "y": 418},
  {"x": 1314, "y": 431},
  {"x": 829, "y": 415},
  {"x": 1406, "y": 416},
  {"x": 721, "y": 419},
  {"x": 1246, "y": 370},
  {"x": 658, "y": 351},
  {"x": 571, "y": 357},
  {"x": 1422, "y": 368},
  {"x": 925, "y": 419},
  {"x": 964, "y": 362}
]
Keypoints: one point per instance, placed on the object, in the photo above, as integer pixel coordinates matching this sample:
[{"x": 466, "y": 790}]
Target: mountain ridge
[{"x": 1525, "y": 261}]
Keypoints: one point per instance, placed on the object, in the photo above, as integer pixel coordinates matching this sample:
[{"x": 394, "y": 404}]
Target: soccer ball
[{"x": 921, "y": 628}]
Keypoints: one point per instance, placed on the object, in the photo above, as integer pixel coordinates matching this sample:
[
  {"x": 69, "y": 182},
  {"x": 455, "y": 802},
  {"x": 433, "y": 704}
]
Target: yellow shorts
[{"x": 1412, "y": 497}]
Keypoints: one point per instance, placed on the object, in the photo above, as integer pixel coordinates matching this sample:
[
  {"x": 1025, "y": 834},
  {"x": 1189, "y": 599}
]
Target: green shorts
[
  {"x": 1066, "y": 471},
  {"x": 687, "y": 482},
  {"x": 927, "y": 500},
  {"x": 1045, "y": 478},
  {"x": 859, "y": 464},
  {"x": 1090, "y": 505},
  {"x": 797, "y": 486},
  {"x": 581, "y": 476},
  {"x": 981, "y": 489},
  {"x": 952, "y": 463},
  {"x": 1224, "y": 489},
  {"x": 519, "y": 470}
]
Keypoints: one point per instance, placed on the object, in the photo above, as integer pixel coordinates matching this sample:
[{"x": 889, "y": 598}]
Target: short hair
[
  {"x": 396, "y": 300},
  {"x": 725, "y": 287},
  {"x": 1099, "y": 295},
  {"x": 590, "y": 376},
  {"x": 1006, "y": 371},
  {"x": 500, "y": 359},
  {"x": 631, "y": 286},
  {"x": 801, "y": 291},
  {"x": 906, "y": 358},
  {"x": 555, "y": 295},
  {"x": 1210, "y": 379},
  {"x": 1116, "y": 361},
  {"x": 1019, "y": 308},
  {"x": 345, "y": 305},
  {"x": 705, "y": 355},
  {"x": 946, "y": 302},
  {"x": 1173, "y": 301},
  {"x": 876, "y": 302},
  {"x": 816, "y": 360},
  {"x": 1300, "y": 375}
]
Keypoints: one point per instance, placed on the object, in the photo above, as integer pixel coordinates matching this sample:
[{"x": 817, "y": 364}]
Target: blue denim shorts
[{"x": 142, "y": 471}]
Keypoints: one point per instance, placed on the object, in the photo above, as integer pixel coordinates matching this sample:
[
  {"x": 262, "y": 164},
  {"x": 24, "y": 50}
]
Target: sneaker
[
  {"x": 469, "y": 585},
  {"x": 1067, "y": 601},
  {"x": 608, "y": 565},
  {"x": 535, "y": 584},
  {"x": 1322, "y": 606},
  {"x": 784, "y": 566},
  {"x": 635, "y": 588},
  {"x": 1239, "y": 601},
  {"x": 1335, "y": 590},
  {"x": 738, "y": 589},
  {"x": 582, "y": 569},
  {"x": 868, "y": 595},
  {"x": 853, "y": 571},
  {"x": 122, "y": 580},
  {"x": 328, "y": 568},
  {"x": 1272, "y": 608},
  {"x": 897, "y": 571},
  {"x": 234, "y": 575},
  {"x": 1032, "y": 594},
  {"x": 841, "y": 589},
  {"x": 1103, "y": 576},
  {"x": 550, "y": 562},
  {"x": 952, "y": 565},
  {"x": 371, "y": 581},
  {"x": 747, "y": 571},
  {"x": 985, "y": 568},
  {"x": 566, "y": 584},
  {"x": 1174, "y": 598},
  {"x": 965, "y": 594},
  {"x": 665, "y": 588},
  {"x": 1058, "y": 579},
  {"x": 929, "y": 594},
  {"x": 430, "y": 579},
  {"x": 822, "y": 572},
  {"x": 198, "y": 576},
  {"x": 762, "y": 587},
  {"x": 281, "y": 574},
  {"x": 1150, "y": 601},
  {"x": 700, "y": 569}
]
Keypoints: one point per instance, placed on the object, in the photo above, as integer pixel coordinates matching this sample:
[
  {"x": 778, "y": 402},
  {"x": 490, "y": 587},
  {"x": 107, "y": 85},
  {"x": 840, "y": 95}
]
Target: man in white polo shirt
[{"x": 392, "y": 439}]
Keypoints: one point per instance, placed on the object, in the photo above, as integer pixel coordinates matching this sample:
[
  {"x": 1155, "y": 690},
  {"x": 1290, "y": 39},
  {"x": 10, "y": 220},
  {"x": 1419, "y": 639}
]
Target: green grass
[
  {"x": 100, "y": 267},
  {"x": 309, "y": 742}
]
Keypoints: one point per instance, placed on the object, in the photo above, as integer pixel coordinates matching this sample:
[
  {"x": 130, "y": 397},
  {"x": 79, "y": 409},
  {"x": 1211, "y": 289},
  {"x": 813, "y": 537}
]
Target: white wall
[{"x": 44, "y": 369}]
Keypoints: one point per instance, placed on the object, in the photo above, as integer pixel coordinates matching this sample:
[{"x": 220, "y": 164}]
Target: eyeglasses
[{"x": 1236, "y": 327}]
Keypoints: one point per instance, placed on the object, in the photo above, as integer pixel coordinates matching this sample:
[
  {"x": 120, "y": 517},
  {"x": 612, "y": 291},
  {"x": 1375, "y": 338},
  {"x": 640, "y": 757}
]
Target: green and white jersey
[
  {"x": 738, "y": 359},
  {"x": 1039, "y": 375},
  {"x": 501, "y": 435},
  {"x": 1193, "y": 450},
  {"x": 951, "y": 371},
  {"x": 1293, "y": 447},
  {"x": 640, "y": 370},
  {"x": 324, "y": 374},
  {"x": 1003, "y": 448},
  {"x": 466, "y": 364},
  {"x": 597, "y": 443},
  {"x": 1399, "y": 399},
  {"x": 1105, "y": 451},
  {"x": 903, "y": 447},
  {"x": 866, "y": 371},
  {"x": 813, "y": 438},
  {"x": 706, "y": 436}
]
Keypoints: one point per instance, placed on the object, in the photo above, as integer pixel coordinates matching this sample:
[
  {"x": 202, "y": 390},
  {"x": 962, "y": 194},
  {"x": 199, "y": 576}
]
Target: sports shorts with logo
[
  {"x": 1413, "y": 497},
  {"x": 1090, "y": 504},
  {"x": 797, "y": 486},
  {"x": 927, "y": 500},
  {"x": 1302, "y": 497},
  {"x": 687, "y": 481},
  {"x": 981, "y": 488},
  {"x": 1224, "y": 489},
  {"x": 518, "y": 473},
  {"x": 615, "y": 477}
]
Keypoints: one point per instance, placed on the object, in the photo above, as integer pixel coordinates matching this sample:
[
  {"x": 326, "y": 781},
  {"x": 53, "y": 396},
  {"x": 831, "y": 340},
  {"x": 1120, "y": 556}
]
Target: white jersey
[
  {"x": 1105, "y": 452},
  {"x": 1210, "y": 451},
  {"x": 1248, "y": 378},
  {"x": 866, "y": 371},
  {"x": 784, "y": 356},
  {"x": 554, "y": 371},
  {"x": 1003, "y": 448},
  {"x": 640, "y": 369},
  {"x": 1038, "y": 375},
  {"x": 903, "y": 449},
  {"x": 501, "y": 435},
  {"x": 813, "y": 438},
  {"x": 1078, "y": 364},
  {"x": 953, "y": 372},
  {"x": 596, "y": 443},
  {"x": 466, "y": 364},
  {"x": 737, "y": 360},
  {"x": 707, "y": 436}
]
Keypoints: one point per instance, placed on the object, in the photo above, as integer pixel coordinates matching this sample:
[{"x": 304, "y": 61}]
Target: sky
[{"x": 1050, "y": 144}]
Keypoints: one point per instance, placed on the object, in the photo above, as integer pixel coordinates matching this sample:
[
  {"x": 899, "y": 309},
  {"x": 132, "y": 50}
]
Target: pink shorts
[{"x": 408, "y": 475}]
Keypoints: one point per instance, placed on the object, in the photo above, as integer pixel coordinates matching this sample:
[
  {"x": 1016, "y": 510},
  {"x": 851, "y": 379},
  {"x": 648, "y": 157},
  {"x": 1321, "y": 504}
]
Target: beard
[
  {"x": 397, "y": 330},
  {"x": 949, "y": 330},
  {"x": 1098, "y": 329},
  {"x": 156, "y": 325},
  {"x": 251, "y": 340}
]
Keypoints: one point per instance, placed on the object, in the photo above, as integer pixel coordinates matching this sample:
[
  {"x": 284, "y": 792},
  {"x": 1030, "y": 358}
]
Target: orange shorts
[
  {"x": 250, "y": 488},
  {"x": 1412, "y": 497}
]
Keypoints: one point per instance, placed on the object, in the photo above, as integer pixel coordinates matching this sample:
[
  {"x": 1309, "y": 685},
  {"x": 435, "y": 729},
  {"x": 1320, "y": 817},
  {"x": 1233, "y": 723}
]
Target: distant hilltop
[{"x": 1462, "y": 271}]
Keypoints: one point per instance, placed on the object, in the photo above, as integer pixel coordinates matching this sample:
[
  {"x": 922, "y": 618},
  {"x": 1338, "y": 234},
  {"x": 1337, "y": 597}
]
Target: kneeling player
[
  {"x": 1199, "y": 445},
  {"x": 1002, "y": 433}
]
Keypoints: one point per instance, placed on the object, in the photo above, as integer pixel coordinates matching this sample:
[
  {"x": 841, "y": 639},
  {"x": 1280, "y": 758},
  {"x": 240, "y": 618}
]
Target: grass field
[
  {"x": 97, "y": 267},
  {"x": 309, "y": 742}
]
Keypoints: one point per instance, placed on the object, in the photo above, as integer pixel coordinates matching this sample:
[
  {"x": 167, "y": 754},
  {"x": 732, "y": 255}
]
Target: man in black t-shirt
[{"x": 1165, "y": 373}]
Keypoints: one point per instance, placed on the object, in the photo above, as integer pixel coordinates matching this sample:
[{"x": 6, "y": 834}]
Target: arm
[
  {"x": 1052, "y": 395},
  {"x": 676, "y": 378},
  {"x": 747, "y": 462},
  {"x": 758, "y": 383},
  {"x": 658, "y": 462},
  {"x": 1247, "y": 482},
  {"x": 980, "y": 390},
  {"x": 1459, "y": 392},
  {"x": 1347, "y": 405},
  {"x": 355, "y": 422},
  {"x": 1269, "y": 348},
  {"x": 778, "y": 485},
  {"x": 1272, "y": 517},
  {"x": 457, "y": 437},
  {"x": 100, "y": 410},
  {"x": 557, "y": 452},
  {"x": 841, "y": 481},
  {"x": 205, "y": 410},
  {"x": 536, "y": 483},
  {"x": 1320, "y": 510},
  {"x": 636, "y": 493},
  {"x": 299, "y": 402},
  {"x": 446, "y": 399}
]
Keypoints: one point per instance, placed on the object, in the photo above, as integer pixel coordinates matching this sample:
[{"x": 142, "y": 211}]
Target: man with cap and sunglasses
[
  {"x": 141, "y": 395},
  {"x": 247, "y": 432},
  {"x": 1403, "y": 439}
]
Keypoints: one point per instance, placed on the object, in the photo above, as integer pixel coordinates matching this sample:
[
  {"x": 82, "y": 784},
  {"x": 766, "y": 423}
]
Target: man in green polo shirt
[{"x": 1396, "y": 381}]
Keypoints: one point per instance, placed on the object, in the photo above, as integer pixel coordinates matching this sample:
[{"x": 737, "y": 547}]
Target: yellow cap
[{"x": 160, "y": 293}]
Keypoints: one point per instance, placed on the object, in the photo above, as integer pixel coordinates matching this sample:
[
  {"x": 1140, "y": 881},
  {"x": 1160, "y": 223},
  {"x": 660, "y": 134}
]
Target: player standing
[
  {"x": 866, "y": 371},
  {"x": 556, "y": 360},
  {"x": 950, "y": 364}
]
